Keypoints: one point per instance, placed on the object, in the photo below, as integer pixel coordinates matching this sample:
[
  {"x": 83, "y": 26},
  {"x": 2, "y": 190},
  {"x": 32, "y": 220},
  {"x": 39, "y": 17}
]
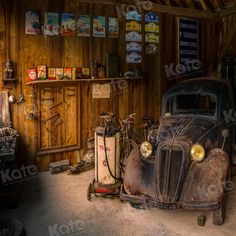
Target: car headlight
[
  {"x": 146, "y": 149},
  {"x": 197, "y": 152}
]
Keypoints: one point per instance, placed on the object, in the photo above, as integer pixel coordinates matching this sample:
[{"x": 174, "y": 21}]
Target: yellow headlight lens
[
  {"x": 197, "y": 152},
  {"x": 146, "y": 149}
]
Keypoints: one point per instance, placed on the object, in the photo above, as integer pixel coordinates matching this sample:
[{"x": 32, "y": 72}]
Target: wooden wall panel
[{"x": 142, "y": 97}]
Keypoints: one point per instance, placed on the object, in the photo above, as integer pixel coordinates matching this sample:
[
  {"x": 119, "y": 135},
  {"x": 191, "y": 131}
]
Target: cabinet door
[{"x": 58, "y": 117}]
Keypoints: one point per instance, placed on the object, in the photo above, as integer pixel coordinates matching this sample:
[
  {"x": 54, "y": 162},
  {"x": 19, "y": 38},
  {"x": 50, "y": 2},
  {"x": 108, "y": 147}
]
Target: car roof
[{"x": 200, "y": 85}]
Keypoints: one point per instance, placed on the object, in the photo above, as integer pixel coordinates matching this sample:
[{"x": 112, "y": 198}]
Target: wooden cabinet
[{"x": 58, "y": 117}]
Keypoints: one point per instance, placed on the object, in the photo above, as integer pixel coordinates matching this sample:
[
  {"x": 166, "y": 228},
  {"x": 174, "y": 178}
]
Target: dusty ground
[{"x": 57, "y": 205}]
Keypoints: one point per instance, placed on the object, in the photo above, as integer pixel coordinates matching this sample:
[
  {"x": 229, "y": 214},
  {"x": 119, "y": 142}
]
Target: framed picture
[
  {"x": 51, "y": 23},
  {"x": 99, "y": 26},
  {"x": 32, "y": 23},
  {"x": 83, "y": 27},
  {"x": 113, "y": 27},
  {"x": 68, "y": 24}
]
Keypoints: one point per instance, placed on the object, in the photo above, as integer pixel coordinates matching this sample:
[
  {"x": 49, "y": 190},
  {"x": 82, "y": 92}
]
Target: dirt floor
[{"x": 57, "y": 205}]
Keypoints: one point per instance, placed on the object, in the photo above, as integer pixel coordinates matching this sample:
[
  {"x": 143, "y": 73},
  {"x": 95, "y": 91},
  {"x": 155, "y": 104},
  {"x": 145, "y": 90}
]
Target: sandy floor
[{"x": 57, "y": 205}]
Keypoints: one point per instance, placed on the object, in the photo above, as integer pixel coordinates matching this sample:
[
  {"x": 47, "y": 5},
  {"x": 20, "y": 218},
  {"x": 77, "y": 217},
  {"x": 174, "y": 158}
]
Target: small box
[
  {"x": 68, "y": 73},
  {"x": 52, "y": 73},
  {"x": 101, "y": 72},
  {"x": 59, "y": 73},
  {"x": 42, "y": 72},
  {"x": 32, "y": 74},
  {"x": 79, "y": 73},
  {"x": 85, "y": 73}
]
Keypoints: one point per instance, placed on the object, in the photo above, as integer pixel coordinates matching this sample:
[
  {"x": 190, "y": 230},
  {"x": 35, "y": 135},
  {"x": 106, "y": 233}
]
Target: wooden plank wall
[
  {"x": 229, "y": 26},
  {"x": 142, "y": 97}
]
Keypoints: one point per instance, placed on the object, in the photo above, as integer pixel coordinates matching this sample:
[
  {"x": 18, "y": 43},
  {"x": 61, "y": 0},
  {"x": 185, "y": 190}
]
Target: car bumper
[{"x": 148, "y": 202}]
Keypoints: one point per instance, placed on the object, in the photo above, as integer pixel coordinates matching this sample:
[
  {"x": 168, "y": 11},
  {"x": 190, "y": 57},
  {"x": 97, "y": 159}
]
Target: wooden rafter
[
  {"x": 189, "y": 7},
  {"x": 227, "y": 12},
  {"x": 228, "y": 41},
  {"x": 206, "y": 5},
  {"x": 189, "y": 3}
]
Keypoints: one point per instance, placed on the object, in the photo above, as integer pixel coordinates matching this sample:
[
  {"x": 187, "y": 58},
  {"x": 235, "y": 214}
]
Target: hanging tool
[{"x": 21, "y": 98}]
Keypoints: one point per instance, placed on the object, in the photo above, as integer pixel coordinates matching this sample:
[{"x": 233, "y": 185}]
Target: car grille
[{"x": 172, "y": 167}]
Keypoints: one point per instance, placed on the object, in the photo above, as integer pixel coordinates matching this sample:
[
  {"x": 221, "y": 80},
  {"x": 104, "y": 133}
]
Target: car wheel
[{"x": 218, "y": 215}]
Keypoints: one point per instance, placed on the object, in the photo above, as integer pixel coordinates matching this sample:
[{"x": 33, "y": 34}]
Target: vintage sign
[
  {"x": 83, "y": 26},
  {"x": 133, "y": 26},
  {"x": 68, "y": 24},
  {"x": 151, "y": 17},
  {"x": 133, "y": 15},
  {"x": 151, "y": 38},
  {"x": 152, "y": 27},
  {"x": 188, "y": 40},
  {"x": 51, "y": 23},
  {"x": 113, "y": 27},
  {"x": 99, "y": 26},
  {"x": 133, "y": 57},
  {"x": 32, "y": 23},
  {"x": 133, "y": 36},
  {"x": 101, "y": 90},
  {"x": 151, "y": 49},
  {"x": 133, "y": 46}
]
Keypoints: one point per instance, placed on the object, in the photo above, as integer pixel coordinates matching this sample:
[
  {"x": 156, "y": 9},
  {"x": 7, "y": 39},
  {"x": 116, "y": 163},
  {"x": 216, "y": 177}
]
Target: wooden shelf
[
  {"x": 9, "y": 80},
  {"x": 80, "y": 80}
]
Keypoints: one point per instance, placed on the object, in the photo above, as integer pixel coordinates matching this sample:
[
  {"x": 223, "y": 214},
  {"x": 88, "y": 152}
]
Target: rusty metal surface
[
  {"x": 205, "y": 181},
  {"x": 139, "y": 175}
]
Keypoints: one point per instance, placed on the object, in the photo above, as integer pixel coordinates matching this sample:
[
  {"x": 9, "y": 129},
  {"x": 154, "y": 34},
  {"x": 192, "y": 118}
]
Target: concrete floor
[{"x": 57, "y": 205}]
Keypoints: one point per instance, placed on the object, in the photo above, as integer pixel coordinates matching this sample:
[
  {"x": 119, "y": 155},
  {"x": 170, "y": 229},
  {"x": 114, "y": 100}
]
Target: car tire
[{"x": 218, "y": 214}]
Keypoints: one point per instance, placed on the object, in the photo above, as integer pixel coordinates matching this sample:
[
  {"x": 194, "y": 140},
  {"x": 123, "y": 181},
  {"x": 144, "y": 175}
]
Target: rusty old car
[{"x": 185, "y": 161}]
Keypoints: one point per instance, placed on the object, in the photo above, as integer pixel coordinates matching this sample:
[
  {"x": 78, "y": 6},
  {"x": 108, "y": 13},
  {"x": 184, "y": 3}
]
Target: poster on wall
[
  {"x": 32, "y": 23},
  {"x": 84, "y": 28},
  {"x": 99, "y": 26},
  {"x": 188, "y": 40},
  {"x": 113, "y": 27},
  {"x": 68, "y": 24},
  {"x": 101, "y": 90},
  {"x": 51, "y": 23}
]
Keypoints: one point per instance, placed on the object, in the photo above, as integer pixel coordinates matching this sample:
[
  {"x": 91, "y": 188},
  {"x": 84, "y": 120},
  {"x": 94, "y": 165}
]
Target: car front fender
[
  {"x": 139, "y": 176},
  {"x": 205, "y": 181}
]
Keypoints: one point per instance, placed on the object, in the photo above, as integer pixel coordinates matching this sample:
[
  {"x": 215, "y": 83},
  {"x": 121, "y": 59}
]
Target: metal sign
[{"x": 188, "y": 40}]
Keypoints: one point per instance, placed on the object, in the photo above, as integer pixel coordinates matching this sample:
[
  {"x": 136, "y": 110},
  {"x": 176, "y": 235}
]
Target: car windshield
[{"x": 195, "y": 104}]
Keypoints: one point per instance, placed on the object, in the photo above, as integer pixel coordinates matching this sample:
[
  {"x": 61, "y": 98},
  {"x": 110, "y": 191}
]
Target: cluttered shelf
[{"x": 80, "y": 80}]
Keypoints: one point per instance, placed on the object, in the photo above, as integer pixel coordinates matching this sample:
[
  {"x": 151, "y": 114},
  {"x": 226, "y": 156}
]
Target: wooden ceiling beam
[
  {"x": 228, "y": 11},
  {"x": 206, "y": 5},
  {"x": 179, "y": 11},
  {"x": 187, "y": 12}
]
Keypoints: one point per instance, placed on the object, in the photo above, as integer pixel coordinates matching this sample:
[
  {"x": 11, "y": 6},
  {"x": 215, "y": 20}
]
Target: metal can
[{"x": 74, "y": 73}]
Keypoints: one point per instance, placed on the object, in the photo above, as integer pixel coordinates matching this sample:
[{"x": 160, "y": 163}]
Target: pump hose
[{"x": 108, "y": 165}]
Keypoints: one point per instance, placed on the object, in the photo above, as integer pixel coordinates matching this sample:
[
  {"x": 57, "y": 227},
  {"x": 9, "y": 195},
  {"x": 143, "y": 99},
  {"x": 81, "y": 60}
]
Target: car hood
[{"x": 190, "y": 130}]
